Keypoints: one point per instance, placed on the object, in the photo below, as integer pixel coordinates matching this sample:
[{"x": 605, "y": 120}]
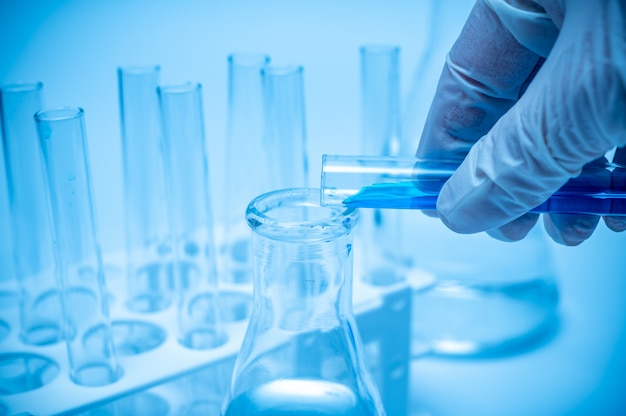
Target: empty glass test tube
[
  {"x": 6, "y": 245},
  {"x": 8, "y": 284},
  {"x": 33, "y": 261},
  {"x": 148, "y": 251},
  {"x": 190, "y": 217},
  {"x": 380, "y": 100},
  {"x": 382, "y": 261},
  {"x": 284, "y": 136},
  {"x": 79, "y": 271},
  {"x": 411, "y": 183},
  {"x": 244, "y": 150}
]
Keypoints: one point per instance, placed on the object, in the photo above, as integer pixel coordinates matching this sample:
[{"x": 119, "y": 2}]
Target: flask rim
[{"x": 273, "y": 215}]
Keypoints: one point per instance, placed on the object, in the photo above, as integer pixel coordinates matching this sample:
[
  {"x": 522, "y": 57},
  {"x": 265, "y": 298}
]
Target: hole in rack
[
  {"x": 136, "y": 337},
  {"x": 143, "y": 403},
  {"x": 235, "y": 306},
  {"x": 22, "y": 372},
  {"x": 96, "y": 375}
]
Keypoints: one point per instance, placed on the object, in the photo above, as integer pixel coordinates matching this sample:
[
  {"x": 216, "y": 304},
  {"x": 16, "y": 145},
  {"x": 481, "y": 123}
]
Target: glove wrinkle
[
  {"x": 528, "y": 22},
  {"x": 535, "y": 123},
  {"x": 475, "y": 91}
]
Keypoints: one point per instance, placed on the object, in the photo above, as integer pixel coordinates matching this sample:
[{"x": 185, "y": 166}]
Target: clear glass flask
[
  {"x": 190, "y": 217},
  {"x": 302, "y": 353},
  {"x": 243, "y": 149},
  {"x": 148, "y": 251},
  {"x": 382, "y": 262},
  {"x": 79, "y": 271},
  {"x": 40, "y": 308}
]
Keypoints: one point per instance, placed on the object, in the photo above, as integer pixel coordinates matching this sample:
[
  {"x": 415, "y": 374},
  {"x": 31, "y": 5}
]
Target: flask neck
[{"x": 303, "y": 286}]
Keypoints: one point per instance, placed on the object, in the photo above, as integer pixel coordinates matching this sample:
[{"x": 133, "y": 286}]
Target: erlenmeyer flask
[
  {"x": 302, "y": 354},
  {"x": 489, "y": 298}
]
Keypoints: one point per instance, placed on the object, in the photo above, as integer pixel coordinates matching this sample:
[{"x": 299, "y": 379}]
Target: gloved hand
[{"x": 530, "y": 93}]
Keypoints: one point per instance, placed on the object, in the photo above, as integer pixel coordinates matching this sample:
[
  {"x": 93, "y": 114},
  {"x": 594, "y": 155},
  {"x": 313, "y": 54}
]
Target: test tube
[
  {"x": 33, "y": 261},
  {"x": 385, "y": 263},
  {"x": 412, "y": 183},
  {"x": 243, "y": 151},
  {"x": 284, "y": 135},
  {"x": 148, "y": 252},
  {"x": 380, "y": 100},
  {"x": 190, "y": 217},
  {"x": 79, "y": 271},
  {"x": 8, "y": 289},
  {"x": 6, "y": 250}
]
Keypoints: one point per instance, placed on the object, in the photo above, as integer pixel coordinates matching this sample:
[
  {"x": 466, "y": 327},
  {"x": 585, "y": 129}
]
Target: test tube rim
[
  {"x": 138, "y": 69},
  {"x": 380, "y": 48},
  {"x": 282, "y": 70},
  {"x": 248, "y": 59},
  {"x": 59, "y": 113},
  {"x": 181, "y": 88},
  {"x": 21, "y": 86}
]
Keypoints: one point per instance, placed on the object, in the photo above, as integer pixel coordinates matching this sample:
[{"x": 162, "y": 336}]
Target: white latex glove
[{"x": 530, "y": 93}]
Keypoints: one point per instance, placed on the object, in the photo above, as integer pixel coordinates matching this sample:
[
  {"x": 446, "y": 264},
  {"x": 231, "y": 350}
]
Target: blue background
[{"x": 74, "y": 48}]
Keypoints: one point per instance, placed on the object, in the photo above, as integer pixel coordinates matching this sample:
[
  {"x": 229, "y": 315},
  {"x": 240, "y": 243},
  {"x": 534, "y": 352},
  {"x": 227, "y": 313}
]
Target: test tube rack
[{"x": 163, "y": 377}]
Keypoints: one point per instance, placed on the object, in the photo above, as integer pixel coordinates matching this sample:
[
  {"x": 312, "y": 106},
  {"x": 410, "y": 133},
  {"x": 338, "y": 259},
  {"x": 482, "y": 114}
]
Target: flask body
[{"x": 302, "y": 353}]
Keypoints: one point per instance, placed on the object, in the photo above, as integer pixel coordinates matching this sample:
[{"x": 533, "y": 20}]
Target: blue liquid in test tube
[{"x": 408, "y": 183}]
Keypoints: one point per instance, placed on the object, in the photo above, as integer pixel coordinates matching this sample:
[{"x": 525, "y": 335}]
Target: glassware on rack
[
  {"x": 301, "y": 354},
  {"x": 244, "y": 150},
  {"x": 39, "y": 308},
  {"x": 8, "y": 284},
  {"x": 7, "y": 274},
  {"x": 79, "y": 271},
  {"x": 380, "y": 100},
  {"x": 284, "y": 131},
  {"x": 382, "y": 262},
  {"x": 190, "y": 217},
  {"x": 148, "y": 251}
]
